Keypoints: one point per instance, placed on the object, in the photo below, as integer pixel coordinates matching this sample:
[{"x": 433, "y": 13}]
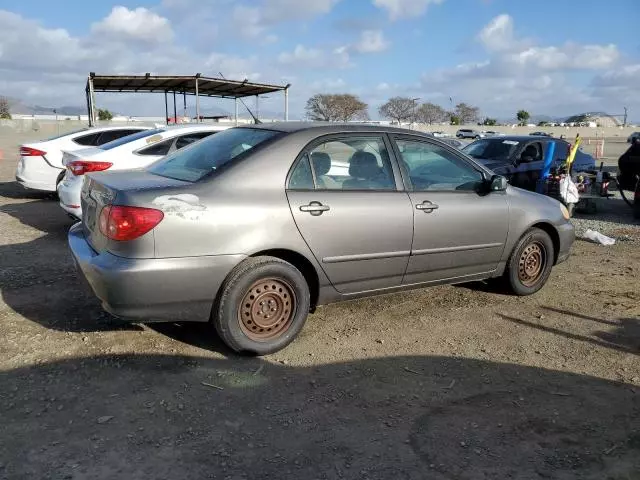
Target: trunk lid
[{"x": 125, "y": 187}]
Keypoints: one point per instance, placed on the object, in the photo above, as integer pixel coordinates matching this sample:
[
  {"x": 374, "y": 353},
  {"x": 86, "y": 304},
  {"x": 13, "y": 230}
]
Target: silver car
[
  {"x": 469, "y": 133},
  {"x": 253, "y": 228}
]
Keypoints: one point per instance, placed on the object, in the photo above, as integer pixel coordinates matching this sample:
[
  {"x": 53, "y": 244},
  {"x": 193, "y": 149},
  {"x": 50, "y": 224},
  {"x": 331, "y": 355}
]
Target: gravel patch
[{"x": 613, "y": 218}]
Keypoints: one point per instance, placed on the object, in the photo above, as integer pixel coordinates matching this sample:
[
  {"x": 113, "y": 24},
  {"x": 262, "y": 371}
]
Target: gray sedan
[{"x": 254, "y": 227}]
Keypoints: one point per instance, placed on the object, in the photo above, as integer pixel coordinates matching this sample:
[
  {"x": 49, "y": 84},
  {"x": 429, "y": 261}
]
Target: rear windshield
[
  {"x": 130, "y": 138},
  {"x": 495, "y": 149},
  {"x": 73, "y": 132},
  {"x": 195, "y": 161}
]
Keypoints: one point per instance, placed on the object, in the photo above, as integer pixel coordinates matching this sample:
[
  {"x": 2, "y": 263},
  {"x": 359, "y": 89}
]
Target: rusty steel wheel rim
[
  {"x": 267, "y": 309},
  {"x": 531, "y": 264}
]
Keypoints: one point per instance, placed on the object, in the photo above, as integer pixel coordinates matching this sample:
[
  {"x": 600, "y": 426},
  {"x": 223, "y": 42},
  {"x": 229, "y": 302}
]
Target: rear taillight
[
  {"x": 128, "y": 223},
  {"x": 80, "y": 167},
  {"x": 31, "y": 152}
]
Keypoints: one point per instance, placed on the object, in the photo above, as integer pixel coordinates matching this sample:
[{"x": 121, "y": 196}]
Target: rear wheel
[
  {"x": 263, "y": 306},
  {"x": 530, "y": 263}
]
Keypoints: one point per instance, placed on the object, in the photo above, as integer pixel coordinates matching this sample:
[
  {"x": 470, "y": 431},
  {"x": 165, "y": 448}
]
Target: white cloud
[
  {"x": 371, "y": 41},
  {"x": 398, "y": 9},
  {"x": 519, "y": 74},
  {"x": 140, "y": 24},
  {"x": 232, "y": 66},
  {"x": 498, "y": 33},
  {"x": 383, "y": 86},
  {"x": 315, "y": 58},
  {"x": 329, "y": 84},
  {"x": 254, "y": 21}
]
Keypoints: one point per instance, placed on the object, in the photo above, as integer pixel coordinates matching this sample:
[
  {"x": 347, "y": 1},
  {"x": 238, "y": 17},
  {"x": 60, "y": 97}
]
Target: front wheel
[
  {"x": 530, "y": 263},
  {"x": 262, "y": 307}
]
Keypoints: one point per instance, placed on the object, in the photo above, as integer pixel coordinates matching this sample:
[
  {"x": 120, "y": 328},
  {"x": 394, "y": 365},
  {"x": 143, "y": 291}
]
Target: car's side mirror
[{"x": 498, "y": 183}]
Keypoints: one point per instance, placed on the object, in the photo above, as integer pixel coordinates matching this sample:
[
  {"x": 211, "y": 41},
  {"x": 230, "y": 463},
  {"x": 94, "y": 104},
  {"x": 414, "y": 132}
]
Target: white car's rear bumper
[{"x": 37, "y": 174}]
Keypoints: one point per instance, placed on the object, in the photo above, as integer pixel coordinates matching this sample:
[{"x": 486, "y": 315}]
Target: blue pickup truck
[{"x": 520, "y": 158}]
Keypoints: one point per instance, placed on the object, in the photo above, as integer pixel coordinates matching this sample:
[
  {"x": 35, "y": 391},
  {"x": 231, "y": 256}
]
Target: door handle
[
  {"x": 427, "y": 206},
  {"x": 314, "y": 208}
]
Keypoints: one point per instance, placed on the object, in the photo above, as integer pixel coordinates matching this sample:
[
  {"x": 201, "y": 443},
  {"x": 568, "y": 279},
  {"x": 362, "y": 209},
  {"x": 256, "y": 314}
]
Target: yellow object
[
  {"x": 565, "y": 212},
  {"x": 572, "y": 153}
]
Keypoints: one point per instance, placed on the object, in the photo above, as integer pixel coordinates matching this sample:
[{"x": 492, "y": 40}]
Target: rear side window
[
  {"x": 87, "y": 140},
  {"x": 185, "y": 140},
  {"x": 131, "y": 138},
  {"x": 196, "y": 161},
  {"x": 111, "y": 135},
  {"x": 160, "y": 148}
]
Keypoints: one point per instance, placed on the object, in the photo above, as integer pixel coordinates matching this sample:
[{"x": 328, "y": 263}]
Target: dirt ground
[{"x": 454, "y": 382}]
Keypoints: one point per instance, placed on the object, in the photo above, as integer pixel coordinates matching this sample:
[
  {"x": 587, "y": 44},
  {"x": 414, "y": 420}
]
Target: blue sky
[{"x": 549, "y": 57}]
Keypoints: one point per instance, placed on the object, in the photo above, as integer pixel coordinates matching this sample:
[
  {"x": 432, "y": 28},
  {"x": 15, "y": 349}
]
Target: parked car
[
  {"x": 454, "y": 143},
  {"x": 40, "y": 166},
  {"x": 492, "y": 133},
  {"x": 249, "y": 231},
  {"x": 131, "y": 152},
  {"x": 440, "y": 134},
  {"x": 541, "y": 134},
  {"x": 632, "y": 136},
  {"x": 469, "y": 133},
  {"x": 520, "y": 158}
]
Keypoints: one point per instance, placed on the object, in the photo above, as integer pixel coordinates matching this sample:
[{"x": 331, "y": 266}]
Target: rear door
[
  {"x": 459, "y": 231},
  {"x": 347, "y": 203}
]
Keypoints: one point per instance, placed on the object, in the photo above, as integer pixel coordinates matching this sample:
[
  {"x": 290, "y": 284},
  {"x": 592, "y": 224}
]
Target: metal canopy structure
[{"x": 196, "y": 85}]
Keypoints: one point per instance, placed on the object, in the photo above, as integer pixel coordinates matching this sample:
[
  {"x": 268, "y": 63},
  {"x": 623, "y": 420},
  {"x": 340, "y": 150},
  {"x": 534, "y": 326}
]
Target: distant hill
[{"x": 19, "y": 107}]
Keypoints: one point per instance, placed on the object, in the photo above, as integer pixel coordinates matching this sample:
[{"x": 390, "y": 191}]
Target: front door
[
  {"x": 348, "y": 207},
  {"x": 459, "y": 231}
]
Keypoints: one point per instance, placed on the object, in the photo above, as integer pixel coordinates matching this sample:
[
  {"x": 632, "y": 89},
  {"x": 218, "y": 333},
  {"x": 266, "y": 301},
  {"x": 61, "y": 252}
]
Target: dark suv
[{"x": 520, "y": 158}]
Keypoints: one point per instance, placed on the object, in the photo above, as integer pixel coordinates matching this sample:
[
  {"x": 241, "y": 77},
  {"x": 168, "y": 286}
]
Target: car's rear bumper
[
  {"x": 36, "y": 174},
  {"x": 147, "y": 290},
  {"x": 69, "y": 194},
  {"x": 567, "y": 235}
]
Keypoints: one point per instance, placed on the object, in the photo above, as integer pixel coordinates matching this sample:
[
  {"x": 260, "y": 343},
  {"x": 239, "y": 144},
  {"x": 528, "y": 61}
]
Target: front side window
[
  {"x": 434, "y": 168},
  {"x": 352, "y": 163},
  {"x": 198, "y": 160}
]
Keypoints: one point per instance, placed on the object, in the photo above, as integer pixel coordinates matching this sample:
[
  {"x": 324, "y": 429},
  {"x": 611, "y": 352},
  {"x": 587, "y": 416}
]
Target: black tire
[
  {"x": 521, "y": 275},
  {"x": 459, "y": 136},
  {"x": 636, "y": 209},
  {"x": 477, "y": 137},
  {"x": 239, "y": 316}
]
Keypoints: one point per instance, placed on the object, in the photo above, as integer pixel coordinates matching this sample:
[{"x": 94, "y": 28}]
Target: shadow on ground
[
  {"x": 168, "y": 417},
  {"x": 34, "y": 272},
  {"x": 625, "y": 336}
]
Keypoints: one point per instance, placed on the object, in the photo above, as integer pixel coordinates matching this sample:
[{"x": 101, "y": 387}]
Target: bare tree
[
  {"x": 400, "y": 109},
  {"x": 466, "y": 113},
  {"x": 5, "y": 110},
  {"x": 336, "y": 108},
  {"x": 430, "y": 113}
]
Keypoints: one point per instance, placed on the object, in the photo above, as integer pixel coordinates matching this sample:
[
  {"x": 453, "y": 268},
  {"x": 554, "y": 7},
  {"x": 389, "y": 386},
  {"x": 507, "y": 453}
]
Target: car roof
[
  {"x": 522, "y": 138},
  {"x": 333, "y": 127}
]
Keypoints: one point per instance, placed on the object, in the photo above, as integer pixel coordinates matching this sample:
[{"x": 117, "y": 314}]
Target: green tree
[
  {"x": 490, "y": 122},
  {"x": 341, "y": 107},
  {"x": 454, "y": 119},
  {"x": 522, "y": 117},
  {"x": 5, "y": 111},
  {"x": 466, "y": 113},
  {"x": 104, "y": 115}
]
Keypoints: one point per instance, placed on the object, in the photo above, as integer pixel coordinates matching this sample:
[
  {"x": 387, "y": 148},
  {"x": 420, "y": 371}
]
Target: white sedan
[
  {"x": 40, "y": 166},
  {"x": 132, "y": 152}
]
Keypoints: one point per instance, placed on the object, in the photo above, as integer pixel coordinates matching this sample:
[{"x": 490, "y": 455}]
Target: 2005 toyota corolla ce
[{"x": 255, "y": 226}]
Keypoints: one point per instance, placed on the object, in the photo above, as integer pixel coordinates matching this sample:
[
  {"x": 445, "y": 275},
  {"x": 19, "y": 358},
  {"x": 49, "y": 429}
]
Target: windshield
[
  {"x": 491, "y": 149},
  {"x": 195, "y": 161},
  {"x": 130, "y": 138}
]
